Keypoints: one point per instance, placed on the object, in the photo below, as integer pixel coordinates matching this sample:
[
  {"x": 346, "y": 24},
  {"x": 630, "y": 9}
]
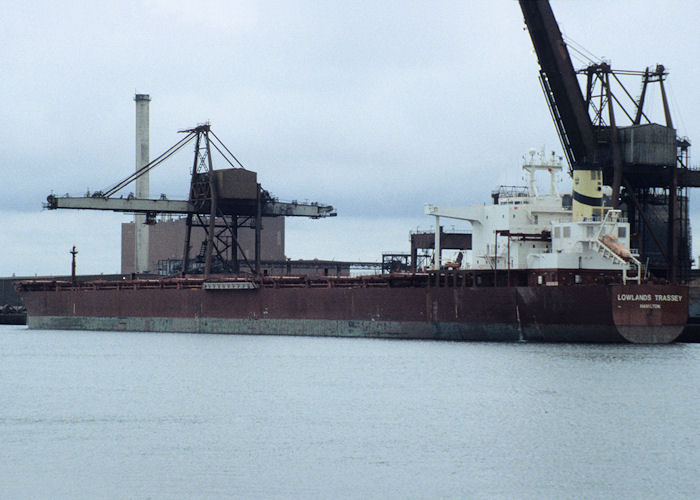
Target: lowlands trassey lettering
[{"x": 647, "y": 297}]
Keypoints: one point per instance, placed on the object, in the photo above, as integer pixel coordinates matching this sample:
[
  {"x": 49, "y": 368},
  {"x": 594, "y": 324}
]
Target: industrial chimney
[{"x": 141, "y": 264}]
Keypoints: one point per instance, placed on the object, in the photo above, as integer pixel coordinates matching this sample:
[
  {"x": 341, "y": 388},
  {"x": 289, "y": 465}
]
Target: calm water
[{"x": 137, "y": 415}]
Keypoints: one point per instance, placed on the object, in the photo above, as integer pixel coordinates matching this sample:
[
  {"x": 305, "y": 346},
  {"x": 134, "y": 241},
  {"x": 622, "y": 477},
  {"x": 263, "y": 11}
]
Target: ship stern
[{"x": 650, "y": 314}]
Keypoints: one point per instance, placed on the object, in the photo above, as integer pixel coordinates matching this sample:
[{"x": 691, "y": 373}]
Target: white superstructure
[{"x": 527, "y": 230}]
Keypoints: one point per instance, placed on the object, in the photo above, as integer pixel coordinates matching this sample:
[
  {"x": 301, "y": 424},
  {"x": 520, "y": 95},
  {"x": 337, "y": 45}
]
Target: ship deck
[{"x": 425, "y": 279}]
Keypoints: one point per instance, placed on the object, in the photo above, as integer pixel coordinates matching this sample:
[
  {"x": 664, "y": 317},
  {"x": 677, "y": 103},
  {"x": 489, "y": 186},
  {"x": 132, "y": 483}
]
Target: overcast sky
[{"x": 373, "y": 107}]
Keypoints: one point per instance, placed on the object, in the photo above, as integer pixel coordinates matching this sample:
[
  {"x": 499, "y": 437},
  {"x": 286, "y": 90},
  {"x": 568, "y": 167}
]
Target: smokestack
[{"x": 141, "y": 264}]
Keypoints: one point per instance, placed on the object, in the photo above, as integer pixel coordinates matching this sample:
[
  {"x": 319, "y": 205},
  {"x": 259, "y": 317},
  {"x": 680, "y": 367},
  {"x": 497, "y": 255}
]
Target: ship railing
[
  {"x": 451, "y": 229},
  {"x": 444, "y": 278},
  {"x": 132, "y": 284},
  {"x": 302, "y": 281},
  {"x": 609, "y": 222},
  {"x": 511, "y": 191}
]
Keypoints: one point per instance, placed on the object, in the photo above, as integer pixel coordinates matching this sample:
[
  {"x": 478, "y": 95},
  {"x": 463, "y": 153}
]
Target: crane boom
[
  {"x": 561, "y": 82},
  {"x": 568, "y": 107},
  {"x": 270, "y": 208}
]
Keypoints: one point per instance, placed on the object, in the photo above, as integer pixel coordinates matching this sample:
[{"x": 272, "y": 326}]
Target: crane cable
[
  {"x": 229, "y": 152},
  {"x": 147, "y": 168}
]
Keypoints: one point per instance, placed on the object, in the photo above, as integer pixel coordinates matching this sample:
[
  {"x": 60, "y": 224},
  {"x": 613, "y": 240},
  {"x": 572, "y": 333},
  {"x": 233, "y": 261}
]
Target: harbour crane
[
  {"x": 220, "y": 202},
  {"x": 645, "y": 163}
]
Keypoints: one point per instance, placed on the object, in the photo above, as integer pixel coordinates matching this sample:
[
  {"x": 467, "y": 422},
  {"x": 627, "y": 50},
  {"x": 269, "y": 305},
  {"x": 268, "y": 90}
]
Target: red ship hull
[{"x": 386, "y": 307}]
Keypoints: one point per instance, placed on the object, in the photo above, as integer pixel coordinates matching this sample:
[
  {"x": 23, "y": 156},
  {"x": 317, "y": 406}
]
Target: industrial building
[{"x": 165, "y": 243}]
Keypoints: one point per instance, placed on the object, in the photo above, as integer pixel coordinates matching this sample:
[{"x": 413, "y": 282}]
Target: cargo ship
[
  {"x": 534, "y": 274},
  {"x": 538, "y": 268}
]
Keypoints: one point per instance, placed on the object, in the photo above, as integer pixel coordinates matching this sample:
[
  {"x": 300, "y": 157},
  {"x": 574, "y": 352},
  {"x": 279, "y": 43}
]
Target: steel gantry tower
[
  {"x": 608, "y": 139},
  {"x": 220, "y": 202}
]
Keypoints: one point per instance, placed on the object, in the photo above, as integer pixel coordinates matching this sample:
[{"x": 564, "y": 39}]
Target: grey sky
[{"x": 374, "y": 107}]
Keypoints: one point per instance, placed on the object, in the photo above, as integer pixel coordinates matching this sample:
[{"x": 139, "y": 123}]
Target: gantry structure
[{"x": 220, "y": 202}]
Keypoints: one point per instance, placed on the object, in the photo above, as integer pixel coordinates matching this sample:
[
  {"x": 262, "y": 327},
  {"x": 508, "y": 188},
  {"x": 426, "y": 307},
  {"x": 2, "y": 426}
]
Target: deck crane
[
  {"x": 220, "y": 202},
  {"x": 645, "y": 163}
]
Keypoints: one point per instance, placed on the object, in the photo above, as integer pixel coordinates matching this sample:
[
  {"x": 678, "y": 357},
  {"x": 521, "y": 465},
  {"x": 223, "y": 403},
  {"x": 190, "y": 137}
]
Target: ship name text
[{"x": 648, "y": 297}]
